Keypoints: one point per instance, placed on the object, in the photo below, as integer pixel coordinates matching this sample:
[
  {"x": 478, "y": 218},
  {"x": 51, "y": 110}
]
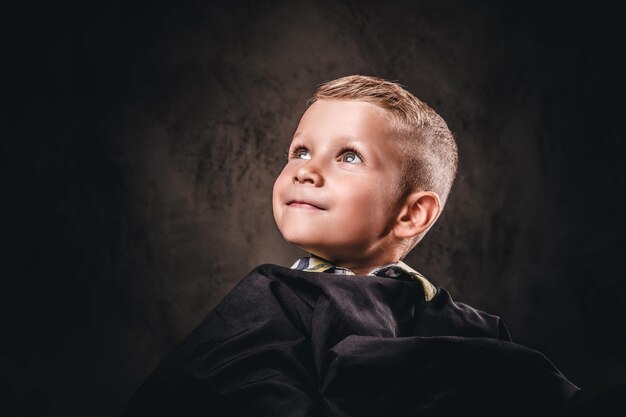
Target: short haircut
[{"x": 429, "y": 151}]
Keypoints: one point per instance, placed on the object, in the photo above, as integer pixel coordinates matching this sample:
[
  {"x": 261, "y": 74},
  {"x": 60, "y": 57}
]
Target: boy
[{"x": 351, "y": 330}]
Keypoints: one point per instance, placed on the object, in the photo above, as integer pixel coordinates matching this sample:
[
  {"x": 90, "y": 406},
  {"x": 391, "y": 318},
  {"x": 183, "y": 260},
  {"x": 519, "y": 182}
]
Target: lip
[{"x": 305, "y": 204}]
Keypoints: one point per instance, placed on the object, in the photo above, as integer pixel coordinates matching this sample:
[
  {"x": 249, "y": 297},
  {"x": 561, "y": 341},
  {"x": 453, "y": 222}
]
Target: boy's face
[{"x": 336, "y": 195}]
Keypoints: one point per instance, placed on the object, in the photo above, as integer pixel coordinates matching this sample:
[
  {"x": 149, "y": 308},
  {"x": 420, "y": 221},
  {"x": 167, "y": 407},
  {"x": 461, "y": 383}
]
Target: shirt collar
[{"x": 397, "y": 270}]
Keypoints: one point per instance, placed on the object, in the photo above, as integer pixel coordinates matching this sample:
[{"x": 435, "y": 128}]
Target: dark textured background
[{"x": 142, "y": 140}]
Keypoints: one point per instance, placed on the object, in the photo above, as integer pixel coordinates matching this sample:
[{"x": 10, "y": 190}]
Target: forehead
[
  {"x": 348, "y": 114},
  {"x": 348, "y": 119}
]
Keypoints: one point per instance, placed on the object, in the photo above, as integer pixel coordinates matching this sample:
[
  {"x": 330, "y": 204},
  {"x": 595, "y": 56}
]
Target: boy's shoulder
[{"x": 472, "y": 319}]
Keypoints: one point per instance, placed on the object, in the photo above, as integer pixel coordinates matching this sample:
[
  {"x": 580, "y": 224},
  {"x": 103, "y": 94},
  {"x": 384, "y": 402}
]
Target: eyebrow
[{"x": 344, "y": 137}]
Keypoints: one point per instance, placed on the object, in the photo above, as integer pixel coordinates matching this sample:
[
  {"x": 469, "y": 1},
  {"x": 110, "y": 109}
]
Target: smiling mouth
[{"x": 304, "y": 205}]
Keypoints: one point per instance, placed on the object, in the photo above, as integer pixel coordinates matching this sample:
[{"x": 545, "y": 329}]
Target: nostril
[
  {"x": 308, "y": 174},
  {"x": 303, "y": 179}
]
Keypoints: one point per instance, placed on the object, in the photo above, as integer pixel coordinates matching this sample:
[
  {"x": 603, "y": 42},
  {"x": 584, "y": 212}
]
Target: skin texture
[{"x": 337, "y": 196}]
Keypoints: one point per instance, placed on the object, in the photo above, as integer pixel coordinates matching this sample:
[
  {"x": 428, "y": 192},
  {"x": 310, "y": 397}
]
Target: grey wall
[{"x": 142, "y": 142}]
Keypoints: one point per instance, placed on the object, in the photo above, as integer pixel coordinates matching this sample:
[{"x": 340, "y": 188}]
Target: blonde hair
[{"x": 430, "y": 155}]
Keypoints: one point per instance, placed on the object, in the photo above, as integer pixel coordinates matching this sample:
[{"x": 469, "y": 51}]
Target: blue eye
[
  {"x": 351, "y": 157},
  {"x": 301, "y": 153}
]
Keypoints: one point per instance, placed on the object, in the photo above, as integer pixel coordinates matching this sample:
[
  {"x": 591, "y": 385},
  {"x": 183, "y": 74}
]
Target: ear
[{"x": 417, "y": 213}]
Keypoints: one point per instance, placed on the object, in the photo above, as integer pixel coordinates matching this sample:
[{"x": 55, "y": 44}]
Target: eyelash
[
  {"x": 293, "y": 152},
  {"x": 350, "y": 149}
]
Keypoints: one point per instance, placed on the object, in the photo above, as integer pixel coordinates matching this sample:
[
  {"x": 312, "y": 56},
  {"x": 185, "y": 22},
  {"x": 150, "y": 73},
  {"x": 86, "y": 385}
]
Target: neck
[{"x": 361, "y": 261}]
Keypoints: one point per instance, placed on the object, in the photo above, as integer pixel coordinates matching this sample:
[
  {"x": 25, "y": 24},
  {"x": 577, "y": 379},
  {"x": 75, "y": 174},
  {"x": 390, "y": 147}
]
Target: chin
[
  {"x": 303, "y": 242},
  {"x": 300, "y": 241},
  {"x": 300, "y": 234}
]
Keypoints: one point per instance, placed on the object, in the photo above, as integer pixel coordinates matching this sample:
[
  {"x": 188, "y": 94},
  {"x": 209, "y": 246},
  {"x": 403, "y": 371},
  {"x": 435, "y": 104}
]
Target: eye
[
  {"x": 300, "y": 153},
  {"x": 351, "y": 157}
]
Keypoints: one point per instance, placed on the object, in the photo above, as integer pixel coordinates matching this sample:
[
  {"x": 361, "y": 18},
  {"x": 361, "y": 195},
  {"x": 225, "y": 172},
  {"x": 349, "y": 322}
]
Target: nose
[{"x": 309, "y": 173}]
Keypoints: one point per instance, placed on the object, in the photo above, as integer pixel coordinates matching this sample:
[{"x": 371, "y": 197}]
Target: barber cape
[{"x": 288, "y": 342}]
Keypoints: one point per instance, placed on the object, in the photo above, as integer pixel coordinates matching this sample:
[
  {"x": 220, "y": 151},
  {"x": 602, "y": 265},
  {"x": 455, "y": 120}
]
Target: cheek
[
  {"x": 357, "y": 211},
  {"x": 280, "y": 182},
  {"x": 277, "y": 191},
  {"x": 371, "y": 204}
]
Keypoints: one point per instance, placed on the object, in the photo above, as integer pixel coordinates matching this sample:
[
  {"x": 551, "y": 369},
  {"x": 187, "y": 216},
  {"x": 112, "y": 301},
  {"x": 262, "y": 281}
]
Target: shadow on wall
[{"x": 143, "y": 141}]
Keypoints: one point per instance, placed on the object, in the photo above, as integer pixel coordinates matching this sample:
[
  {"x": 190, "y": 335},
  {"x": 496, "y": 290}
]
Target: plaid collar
[{"x": 398, "y": 270}]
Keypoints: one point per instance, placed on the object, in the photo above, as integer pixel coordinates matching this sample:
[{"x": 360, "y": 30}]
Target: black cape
[{"x": 293, "y": 343}]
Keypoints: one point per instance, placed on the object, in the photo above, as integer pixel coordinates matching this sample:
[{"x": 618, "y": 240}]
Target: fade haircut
[{"x": 429, "y": 151}]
